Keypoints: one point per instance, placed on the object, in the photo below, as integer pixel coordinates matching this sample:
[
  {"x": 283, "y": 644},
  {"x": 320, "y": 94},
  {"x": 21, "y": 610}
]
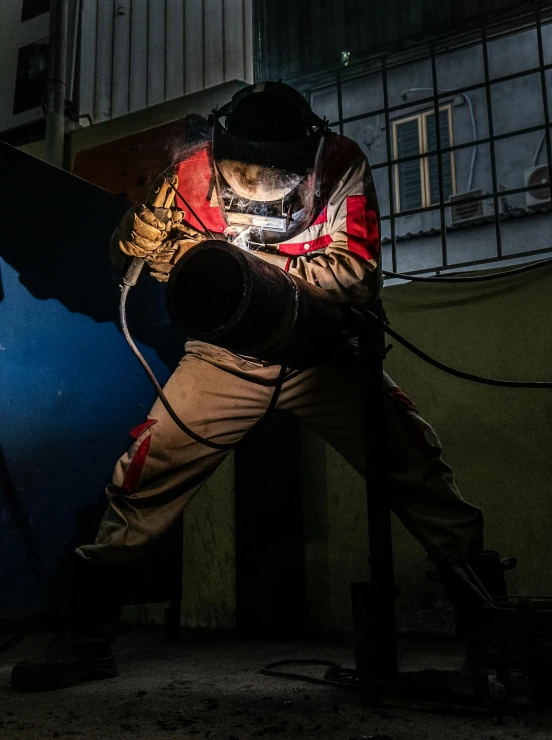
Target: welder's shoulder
[
  {"x": 342, "y": 151},
  {"x": 340, "y": 154}
]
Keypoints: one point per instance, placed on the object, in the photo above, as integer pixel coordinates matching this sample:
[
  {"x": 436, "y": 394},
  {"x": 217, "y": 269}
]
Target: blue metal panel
[{"x": 71, "y": 389}]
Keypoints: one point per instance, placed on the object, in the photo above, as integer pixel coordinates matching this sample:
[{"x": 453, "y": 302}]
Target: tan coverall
[{"x": 221, "y": 395}]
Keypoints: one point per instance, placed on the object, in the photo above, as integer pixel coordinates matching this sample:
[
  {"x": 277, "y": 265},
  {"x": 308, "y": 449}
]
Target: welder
[{"x": 274, "y": 181}]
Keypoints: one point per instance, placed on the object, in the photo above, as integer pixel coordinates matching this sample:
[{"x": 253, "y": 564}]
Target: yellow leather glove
[{"x": 140, "y": 232}]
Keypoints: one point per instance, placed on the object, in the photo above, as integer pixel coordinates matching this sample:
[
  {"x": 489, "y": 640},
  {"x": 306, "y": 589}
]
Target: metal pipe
[
  {"x": 57, "y": 75},
  {"x": 546, "y": 133},
  {"x": 538, "y": 151},
  {"x": 437, "y": 113}
]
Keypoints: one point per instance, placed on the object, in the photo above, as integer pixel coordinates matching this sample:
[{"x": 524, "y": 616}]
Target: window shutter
[
  {"x": 410, "y": 180},
  {"x": 431, "y": 134}
]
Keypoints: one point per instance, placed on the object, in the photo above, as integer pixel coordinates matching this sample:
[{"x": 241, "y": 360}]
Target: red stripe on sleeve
[
  {"x": 305, "y": 247},
  {"x": 362, "y": 227}
]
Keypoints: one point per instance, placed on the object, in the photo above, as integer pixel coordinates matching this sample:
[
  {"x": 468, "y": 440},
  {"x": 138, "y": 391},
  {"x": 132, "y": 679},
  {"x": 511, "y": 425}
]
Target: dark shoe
[
  {"x": 69, "y": 659},
  {"x": 490, "y": 569},
  {"x": 476, "y": 587}
]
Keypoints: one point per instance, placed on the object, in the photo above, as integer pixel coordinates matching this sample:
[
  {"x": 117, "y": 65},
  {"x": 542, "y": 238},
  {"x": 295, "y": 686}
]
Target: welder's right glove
[{"x": 140, "y": 233}]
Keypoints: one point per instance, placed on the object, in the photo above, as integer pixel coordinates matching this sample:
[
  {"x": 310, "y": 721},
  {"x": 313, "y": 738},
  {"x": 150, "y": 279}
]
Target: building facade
[
  {"x": 494, "y": 110},
  {"x": 23, "y": 65}
]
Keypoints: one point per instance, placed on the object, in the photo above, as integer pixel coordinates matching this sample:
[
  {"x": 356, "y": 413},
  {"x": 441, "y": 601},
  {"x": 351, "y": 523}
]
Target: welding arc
[
  {"x": 467, "y": 278},
  {"x": 162, "y": 397},
  {"x": 446, "y": 368}
]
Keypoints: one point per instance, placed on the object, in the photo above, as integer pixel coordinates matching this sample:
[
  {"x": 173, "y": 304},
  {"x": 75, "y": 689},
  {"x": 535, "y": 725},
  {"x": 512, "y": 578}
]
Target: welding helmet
[{"x": 266, "y": 160}]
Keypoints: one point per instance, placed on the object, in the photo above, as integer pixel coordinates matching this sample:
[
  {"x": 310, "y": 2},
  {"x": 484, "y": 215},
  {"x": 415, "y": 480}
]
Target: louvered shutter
[{"x": 410, "y": 178}]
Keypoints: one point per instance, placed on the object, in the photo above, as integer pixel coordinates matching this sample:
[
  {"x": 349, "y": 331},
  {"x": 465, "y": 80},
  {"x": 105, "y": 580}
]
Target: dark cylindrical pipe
[{"x": 228, "y": 297}]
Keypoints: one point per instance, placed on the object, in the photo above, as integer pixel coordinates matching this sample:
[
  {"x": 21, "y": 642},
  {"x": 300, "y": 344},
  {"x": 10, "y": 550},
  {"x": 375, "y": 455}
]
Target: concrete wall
[{"x": 14, "y": 35}]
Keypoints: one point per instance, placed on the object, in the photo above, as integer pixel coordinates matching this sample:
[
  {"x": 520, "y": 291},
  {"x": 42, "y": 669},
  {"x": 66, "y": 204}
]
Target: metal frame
[{"x": 382, "y": 63}]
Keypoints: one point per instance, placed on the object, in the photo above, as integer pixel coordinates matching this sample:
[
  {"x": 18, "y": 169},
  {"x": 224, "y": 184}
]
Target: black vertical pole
[
  {"x": 439, "y": 155},
  {"x": 376, "y": 651},
  {"x": 339, "y": 100},
  {"x": 547, "y": 135},
  {"x": 492, "y": 148},
  {"x": 389, "y": 165}
]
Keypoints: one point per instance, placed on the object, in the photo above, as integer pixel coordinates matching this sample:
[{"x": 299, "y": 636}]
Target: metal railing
[{"x": 381, "y": 64}]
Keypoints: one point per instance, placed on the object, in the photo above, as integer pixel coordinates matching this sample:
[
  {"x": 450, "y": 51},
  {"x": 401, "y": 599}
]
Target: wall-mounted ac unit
[
  {"x": 538, "y": 179},
  {"x": 464, "y": 209}
]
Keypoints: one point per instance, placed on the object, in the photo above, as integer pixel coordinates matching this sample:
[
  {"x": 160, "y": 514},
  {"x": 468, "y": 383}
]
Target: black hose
[
  {"x": 189, "y": 207},
  {"x": 174, "y": 416},
  {"x": 349, "y": 678},
  {"x": 468, "y": 278},
  {"x": 450, "y": 370}
]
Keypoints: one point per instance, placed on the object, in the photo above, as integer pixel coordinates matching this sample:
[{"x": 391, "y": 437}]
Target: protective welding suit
[{"x": 221, "y": 395}]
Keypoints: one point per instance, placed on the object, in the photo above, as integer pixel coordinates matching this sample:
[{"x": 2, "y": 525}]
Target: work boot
[
  {"x": 71, "y": 657},
  {"x": 474, "y": 613},
  {"x": 82, "y": 652}
]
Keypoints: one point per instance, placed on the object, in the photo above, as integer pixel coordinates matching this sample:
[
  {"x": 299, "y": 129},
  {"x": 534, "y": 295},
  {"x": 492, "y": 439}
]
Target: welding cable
[
  {"x": 446, "y": 368},
  {"x": 349, "y": 678},
  {"x": 162, "y": 397},
  {"x": 194, "y": 214},
  {"x": 467, "y": 278}
]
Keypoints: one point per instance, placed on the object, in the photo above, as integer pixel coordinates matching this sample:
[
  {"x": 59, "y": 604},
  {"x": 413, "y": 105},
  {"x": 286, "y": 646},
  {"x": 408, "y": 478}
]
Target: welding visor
[{"x": 276, "y": 180}]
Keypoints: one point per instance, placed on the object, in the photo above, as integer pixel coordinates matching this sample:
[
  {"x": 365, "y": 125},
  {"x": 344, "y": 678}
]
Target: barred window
[{"x": 417, "y": 180}]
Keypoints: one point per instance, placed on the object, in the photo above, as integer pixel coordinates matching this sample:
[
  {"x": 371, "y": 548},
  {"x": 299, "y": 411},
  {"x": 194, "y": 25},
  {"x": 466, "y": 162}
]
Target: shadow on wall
[
  {"x": 58, "y": 244},
  {"x": 71, "y": 389}
]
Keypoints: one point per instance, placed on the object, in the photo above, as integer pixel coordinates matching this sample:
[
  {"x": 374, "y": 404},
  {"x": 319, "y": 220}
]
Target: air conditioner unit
[
  {"x": 465, "y": 210},
  {"x": 538, "y": 179}
]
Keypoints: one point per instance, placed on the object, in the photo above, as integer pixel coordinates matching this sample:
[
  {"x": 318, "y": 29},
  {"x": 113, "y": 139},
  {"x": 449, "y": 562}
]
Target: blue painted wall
[{"x": 71, "y": 389}]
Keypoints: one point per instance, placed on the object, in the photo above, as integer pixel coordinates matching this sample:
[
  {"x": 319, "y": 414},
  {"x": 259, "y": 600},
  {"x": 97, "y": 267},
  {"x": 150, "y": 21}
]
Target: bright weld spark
[{"x": 240, "y": 240}]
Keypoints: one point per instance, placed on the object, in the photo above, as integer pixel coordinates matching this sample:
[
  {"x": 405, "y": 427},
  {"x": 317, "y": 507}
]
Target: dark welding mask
[{"x": 267, "y": 162}]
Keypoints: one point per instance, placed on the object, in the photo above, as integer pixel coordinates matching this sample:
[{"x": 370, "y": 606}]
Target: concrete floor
[{"x": 214, "y": 690}]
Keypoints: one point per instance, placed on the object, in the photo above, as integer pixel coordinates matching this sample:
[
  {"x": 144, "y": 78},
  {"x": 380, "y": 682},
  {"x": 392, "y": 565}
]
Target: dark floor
[{"x": 214, "y": 690}]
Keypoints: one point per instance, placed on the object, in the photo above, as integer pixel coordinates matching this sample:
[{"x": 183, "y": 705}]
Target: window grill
[{"x": 437, "y": 191}]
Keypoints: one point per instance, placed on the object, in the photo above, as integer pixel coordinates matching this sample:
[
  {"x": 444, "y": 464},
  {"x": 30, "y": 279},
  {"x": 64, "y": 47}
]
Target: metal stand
[
  {"x": 374, "y": 602},
  {"x": 376, "y": 651}
]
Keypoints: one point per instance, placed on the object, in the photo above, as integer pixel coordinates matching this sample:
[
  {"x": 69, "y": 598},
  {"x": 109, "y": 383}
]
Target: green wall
[{"x": 497, "y": 441}]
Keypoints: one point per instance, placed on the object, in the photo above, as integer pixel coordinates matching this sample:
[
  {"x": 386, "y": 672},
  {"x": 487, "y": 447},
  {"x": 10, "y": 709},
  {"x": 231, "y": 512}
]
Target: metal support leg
[{"x": 374, "y": 602}]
